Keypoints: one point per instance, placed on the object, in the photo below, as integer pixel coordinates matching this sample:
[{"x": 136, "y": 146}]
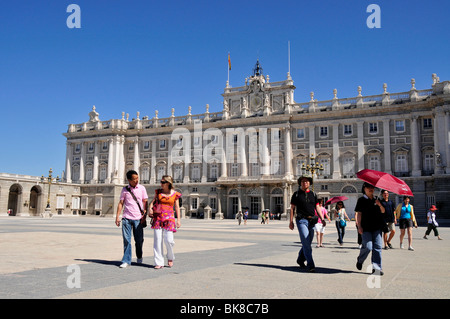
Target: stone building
[{"x": 250, "y": 154}]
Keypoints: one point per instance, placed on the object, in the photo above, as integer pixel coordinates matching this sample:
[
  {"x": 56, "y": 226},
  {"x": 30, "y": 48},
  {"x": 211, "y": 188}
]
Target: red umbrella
[
  {"x": 385, "y": 181},
  {"x": 336, "y": 199}
]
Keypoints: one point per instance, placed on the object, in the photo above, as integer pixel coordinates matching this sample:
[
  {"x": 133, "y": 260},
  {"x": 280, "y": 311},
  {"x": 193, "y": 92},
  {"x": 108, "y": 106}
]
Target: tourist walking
[
  {"x": 239, "y": 217},
  {"x": 320, "y": 227},
  {"x": 304, "y": 205},
  {"x": 389, "y": 218},
  {"x": 370, "y": 223},
  {"x": 340, "y": 214},
  {"x": 133, "y": 201},
  {"x": 406, "y": 220},
  {"x": 432, "y": 223},
  {"x": 164, "y": 224}
]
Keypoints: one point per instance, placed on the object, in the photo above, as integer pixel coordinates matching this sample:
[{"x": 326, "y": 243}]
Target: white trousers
[{"x": 158, "y": 250}]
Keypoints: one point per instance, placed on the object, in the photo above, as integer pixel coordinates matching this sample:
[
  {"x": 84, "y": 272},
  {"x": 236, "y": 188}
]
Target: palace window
[
  {"x": 348, "y": 129},
  {"x": 427, "y": 123}
]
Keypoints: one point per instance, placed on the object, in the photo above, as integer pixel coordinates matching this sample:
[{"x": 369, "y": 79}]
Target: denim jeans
[
  {"x": 371, "y": 242},
  {"x": 306, "y": 232},
  {"x": 340, "y": 231},
  {"x": 129, "y": 225}
]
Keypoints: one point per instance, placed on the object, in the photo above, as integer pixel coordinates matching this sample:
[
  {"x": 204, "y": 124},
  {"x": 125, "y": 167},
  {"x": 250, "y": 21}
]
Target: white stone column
[
  {"x": 169, "y": 157},
  {"x": 223, "y": 156},
  {"x": 441, "y": 139},
  {"x": 264, "y": 156},
  {"x": 82, "y": 158},
  {"x": 415, "y": 148},
  {"x": 288, "y": 152},
  {"x": 153, "y": 164},
  {"x": 242, "y": 155},
  {"x": 387, "y": 147},
  {"x": 121, "y": 160},
  {"x": 110, "y": 159},
  {"x": 69, "y": 157},
  {"x": 360, "y": 132},
  {"x": 136, "y": 161},
  {"x": 312, "y": 141},
  {"x": 97, "y": 145},
  {"x": 336, "y": 165}
]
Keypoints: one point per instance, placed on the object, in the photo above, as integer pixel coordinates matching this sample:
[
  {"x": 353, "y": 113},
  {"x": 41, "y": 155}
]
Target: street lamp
[
  {"x": 313, "y": 168},
  {"x": 50, "y": 181}
]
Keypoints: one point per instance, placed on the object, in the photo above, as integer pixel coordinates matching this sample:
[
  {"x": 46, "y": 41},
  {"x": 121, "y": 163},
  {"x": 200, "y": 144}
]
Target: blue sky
[{"x": 131, "y": 56}]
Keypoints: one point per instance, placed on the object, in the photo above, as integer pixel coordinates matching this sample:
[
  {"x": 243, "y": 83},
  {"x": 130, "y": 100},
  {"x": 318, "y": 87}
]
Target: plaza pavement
[{"x": 215, "y": 259}]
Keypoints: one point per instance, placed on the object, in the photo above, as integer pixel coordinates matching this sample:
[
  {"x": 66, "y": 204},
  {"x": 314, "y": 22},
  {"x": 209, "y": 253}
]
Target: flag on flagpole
[{"x": 229, "y": 62}]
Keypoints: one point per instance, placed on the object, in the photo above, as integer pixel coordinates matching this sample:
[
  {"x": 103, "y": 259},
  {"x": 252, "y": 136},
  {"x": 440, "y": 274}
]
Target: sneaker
[
  {"x": 425, "y": 237},
  {"x": 390, "y": 246},
  {"x": 401, "y": 246},
  {"x": 124, "y": 265},
  {"x": 377, "y": 272},
  {"x": 386, "y": 247},
  {"x": 139, "y": 260},
  {"x": 410, "y": 248}
]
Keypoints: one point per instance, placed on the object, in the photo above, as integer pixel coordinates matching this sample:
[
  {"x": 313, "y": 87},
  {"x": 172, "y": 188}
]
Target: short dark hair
[{"x": 131, "y": 173}]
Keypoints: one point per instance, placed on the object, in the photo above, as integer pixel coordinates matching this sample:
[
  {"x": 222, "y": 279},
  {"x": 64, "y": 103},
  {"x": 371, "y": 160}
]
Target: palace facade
[{"x": 250, "y": 154}]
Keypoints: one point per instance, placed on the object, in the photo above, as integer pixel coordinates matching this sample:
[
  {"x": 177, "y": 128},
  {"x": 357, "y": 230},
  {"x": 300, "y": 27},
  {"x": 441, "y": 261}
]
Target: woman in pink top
[
  {"x": 319, "y": 227},
  {"x": 164, "y": 224}
]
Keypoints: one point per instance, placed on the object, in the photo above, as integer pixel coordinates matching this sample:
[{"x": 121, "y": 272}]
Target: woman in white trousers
[{"x": 164, "y": 224}]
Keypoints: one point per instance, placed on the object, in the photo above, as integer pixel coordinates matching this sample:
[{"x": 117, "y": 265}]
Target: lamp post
[
  {"x": 50, "y": 181},
  {"x": 313, "y": 168}
]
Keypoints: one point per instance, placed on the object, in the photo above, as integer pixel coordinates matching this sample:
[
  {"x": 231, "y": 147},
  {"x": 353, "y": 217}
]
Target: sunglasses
[{"x": 164, "y": 182}]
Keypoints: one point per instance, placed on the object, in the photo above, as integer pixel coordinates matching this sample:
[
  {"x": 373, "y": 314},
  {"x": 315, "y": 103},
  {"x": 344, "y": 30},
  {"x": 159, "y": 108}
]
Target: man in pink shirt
[{"x": 133, "y": 201}]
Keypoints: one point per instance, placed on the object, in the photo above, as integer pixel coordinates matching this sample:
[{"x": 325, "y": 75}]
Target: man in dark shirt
[
  {"x": 389, "y": 218},
  {"x": 370, "y": 223},
  {"x": 304, "y": 203}
]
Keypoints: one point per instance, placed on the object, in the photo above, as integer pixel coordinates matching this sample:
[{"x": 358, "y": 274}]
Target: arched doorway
[
  {"x": 15, "y": 199},
  {"x": 35, "y": 200}
]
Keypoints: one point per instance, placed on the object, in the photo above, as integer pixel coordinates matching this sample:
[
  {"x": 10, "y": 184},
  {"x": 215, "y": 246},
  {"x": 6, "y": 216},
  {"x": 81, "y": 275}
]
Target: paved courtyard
[{"x": 78, "y": 257}]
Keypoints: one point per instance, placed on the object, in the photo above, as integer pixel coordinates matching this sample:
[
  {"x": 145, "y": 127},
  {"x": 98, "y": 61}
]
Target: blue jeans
[
  {"x": 371, "y": 242},
  {"x": 340, "y": 231},
  {"x": 129, "y": 225},
  {"x": 306, "y": 233}
]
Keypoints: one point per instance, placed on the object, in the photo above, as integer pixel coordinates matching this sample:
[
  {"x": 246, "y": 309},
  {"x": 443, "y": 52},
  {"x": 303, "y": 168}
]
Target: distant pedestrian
[
  {"x": 239, "y": 217},
  {"x": 432, "y": 223},
  {"x": 340, "y": 215},
  {"x": 133, "y": 201},
  {"x": 320, "y": 227},
  {"x": 370, "y": 224},
  {"x": 389, "y": 218},
  {"x": 406, "y": 220},
  {"x": 245, "y": 216}
]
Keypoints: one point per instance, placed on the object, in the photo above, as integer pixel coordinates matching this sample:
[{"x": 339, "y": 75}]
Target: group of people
[
  {"x": 134, "y": 208},
  {"x": 375, "y": 219}
]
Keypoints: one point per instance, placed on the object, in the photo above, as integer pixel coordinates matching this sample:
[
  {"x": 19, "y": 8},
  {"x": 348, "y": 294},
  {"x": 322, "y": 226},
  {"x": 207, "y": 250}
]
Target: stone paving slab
[{"x": 215, "y": 259}]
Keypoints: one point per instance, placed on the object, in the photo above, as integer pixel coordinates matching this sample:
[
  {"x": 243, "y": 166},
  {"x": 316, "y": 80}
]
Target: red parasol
[
  {"x": 385, "y": 181},
  {"x": 335, "y": 199}
]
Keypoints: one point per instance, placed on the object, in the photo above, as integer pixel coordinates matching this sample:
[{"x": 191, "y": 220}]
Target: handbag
[
  {"x": 342, "y": 223},
  {"x": 144, "y": 215}
]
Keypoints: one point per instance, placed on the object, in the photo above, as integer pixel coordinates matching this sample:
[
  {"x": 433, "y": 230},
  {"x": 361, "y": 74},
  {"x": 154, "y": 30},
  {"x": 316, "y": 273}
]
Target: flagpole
[{"x": 228, "y": 69}]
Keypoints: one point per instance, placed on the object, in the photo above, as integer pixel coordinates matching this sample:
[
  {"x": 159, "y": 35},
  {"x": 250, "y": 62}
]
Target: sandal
[
  {"x": 159, "y": 267},
  {"x": 170, "y": 263}
]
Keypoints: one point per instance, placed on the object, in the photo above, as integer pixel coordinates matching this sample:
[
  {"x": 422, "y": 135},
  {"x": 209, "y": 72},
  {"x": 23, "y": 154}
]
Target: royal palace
[{"x": 250, "y": 154}]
